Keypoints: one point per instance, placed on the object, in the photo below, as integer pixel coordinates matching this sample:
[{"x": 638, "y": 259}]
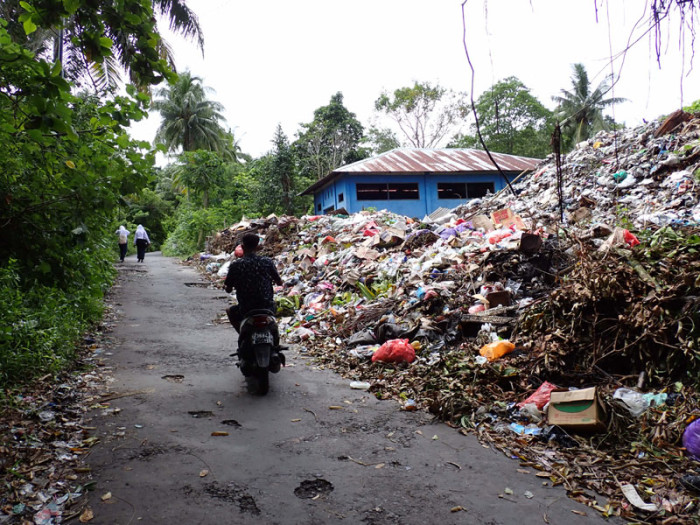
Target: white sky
[{"x": 276, "y": 61}]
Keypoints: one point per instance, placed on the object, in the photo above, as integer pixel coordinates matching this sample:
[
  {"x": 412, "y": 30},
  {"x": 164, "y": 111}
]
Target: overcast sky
[{"x": 276, "y": 61}]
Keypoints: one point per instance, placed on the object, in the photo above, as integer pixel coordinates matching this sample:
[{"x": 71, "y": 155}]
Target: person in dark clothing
[
  {"x": 123, "y": 234},
  {"x": 252, "y": 276},
  {"x": 141, "y": 241}
]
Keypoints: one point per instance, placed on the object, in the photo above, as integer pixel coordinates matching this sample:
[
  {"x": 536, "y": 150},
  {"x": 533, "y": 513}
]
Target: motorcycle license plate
[{"x": 262, "y": 338}]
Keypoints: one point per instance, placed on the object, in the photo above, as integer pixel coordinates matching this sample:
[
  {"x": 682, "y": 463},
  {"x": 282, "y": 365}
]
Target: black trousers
[
  {"x": 141, "y": 245},
  {"x": 235, "y": 316},
  {"x": 122, "y": 251}
]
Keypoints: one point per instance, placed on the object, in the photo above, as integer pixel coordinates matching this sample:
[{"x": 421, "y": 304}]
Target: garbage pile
[
  {"x": 558, "y": 322},
  {"x": 45, "y": 441}
]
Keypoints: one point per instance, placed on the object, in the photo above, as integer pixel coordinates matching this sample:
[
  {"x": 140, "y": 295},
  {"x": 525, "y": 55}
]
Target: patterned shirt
[{"x": 252, "y": 277}]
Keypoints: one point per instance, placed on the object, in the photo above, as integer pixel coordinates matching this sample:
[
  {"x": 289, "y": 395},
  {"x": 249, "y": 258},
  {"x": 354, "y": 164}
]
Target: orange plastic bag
[
  {"x": 395, "y": 351},
  {"x": 496, "y": 350}
]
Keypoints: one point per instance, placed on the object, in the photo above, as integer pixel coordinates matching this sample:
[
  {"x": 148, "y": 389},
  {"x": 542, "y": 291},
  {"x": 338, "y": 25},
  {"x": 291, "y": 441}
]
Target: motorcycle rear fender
[
  {"x": 247, "y": 327},
  {"x": 262, "y": 355}
]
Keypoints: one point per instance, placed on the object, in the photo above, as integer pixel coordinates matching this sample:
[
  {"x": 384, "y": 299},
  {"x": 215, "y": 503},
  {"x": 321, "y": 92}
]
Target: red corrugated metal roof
[{"x": 442, "y": 161}]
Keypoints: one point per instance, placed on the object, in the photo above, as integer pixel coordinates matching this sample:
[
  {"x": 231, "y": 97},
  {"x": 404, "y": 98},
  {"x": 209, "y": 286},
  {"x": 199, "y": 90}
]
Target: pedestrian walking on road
[
  {"x": 141, "y": 241},
  {"x": 123, "y": 236}
]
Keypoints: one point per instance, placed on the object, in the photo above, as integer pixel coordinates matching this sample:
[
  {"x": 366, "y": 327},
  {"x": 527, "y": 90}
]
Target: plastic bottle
[{"x": 359, "y": 385}]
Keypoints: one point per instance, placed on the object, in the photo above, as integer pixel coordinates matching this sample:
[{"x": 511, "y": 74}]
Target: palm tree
[
  {"x": 189, "y": 121},
  {"x": 581, "y": 110},
  {"x": 61, "y": 40}
]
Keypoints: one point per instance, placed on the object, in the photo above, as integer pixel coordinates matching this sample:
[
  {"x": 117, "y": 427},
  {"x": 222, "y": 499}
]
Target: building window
[
  {"x": 479, "y": 189},
  {"x": 464, "y": 190},
  {"x": 450, "y": 190},
  {"x": 341, "y": 197},
  {"x": 387, "y": 192}
]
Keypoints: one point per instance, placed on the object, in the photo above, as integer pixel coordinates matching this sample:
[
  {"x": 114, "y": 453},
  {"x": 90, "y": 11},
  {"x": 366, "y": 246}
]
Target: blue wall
[{"x": 328, "y": 198}]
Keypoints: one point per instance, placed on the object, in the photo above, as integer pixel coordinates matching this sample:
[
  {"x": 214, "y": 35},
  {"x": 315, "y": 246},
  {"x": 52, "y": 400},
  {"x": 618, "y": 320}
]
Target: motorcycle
[{"x": 259, "y": 351}]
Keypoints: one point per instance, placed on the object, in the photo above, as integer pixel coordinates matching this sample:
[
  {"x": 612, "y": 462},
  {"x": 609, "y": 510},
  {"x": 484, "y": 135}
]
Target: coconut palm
[
  {"x": 581, "y": 109},
  {"x": 61, "y": 40},
  {"x": 189, "y": 120}
]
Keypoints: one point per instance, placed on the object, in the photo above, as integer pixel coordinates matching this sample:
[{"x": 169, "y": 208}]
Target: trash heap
[
  {"x": 559, "y": 321},
  {"x": 45, "y": 441}
]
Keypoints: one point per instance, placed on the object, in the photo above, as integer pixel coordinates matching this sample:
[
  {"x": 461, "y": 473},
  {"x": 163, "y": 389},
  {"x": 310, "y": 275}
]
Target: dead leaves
[{"x": 86, "y": 515}]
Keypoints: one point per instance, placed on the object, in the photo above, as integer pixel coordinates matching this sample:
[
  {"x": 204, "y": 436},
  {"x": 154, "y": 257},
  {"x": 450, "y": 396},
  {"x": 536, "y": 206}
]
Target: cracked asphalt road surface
[{"x": 287, "y": 458}]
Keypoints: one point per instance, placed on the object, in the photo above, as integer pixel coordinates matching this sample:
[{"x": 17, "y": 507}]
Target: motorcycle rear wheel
[{"x": 263, "y": 381}]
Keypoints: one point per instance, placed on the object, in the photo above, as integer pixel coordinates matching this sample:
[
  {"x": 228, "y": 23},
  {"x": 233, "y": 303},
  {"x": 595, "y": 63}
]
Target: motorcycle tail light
[{"x": 260, "y": 321}]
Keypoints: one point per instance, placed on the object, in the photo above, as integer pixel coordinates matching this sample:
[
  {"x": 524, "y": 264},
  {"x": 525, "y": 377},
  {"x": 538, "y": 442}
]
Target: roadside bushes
[
  {"x": 66, "y": 162},
  {"x": 40, "y": 325}
]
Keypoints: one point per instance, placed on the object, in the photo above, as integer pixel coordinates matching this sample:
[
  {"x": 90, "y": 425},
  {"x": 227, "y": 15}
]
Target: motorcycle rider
[{"x": 252, "y": 276}]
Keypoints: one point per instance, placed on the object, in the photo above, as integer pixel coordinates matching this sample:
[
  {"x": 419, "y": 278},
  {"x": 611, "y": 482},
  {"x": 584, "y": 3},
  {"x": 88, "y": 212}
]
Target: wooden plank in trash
[{"x": 494, "y": 319}]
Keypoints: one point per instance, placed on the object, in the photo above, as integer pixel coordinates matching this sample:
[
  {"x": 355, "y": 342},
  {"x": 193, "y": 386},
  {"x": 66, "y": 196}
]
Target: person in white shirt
[
  {"x": 123, "y": 234},
  {"x": 141, "y": 241}
]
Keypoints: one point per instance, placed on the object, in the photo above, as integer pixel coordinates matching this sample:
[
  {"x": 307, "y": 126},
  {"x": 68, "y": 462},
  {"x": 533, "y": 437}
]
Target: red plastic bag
[
  {"x": 630, "y": 238},
  {"x": 539, "y": 397},
  {"x": 395, "y": 351},
  {"x": 238, "y": 252}
]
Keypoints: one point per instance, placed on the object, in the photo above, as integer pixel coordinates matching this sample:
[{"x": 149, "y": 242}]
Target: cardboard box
[
  {"x": 576, "y": 410},
  {"x": 506, "y": 218},
  {"x": 482, "y": 221}
]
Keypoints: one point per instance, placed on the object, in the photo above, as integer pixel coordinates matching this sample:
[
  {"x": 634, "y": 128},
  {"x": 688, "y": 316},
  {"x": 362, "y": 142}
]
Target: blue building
[{"x": 415, "y": 182}]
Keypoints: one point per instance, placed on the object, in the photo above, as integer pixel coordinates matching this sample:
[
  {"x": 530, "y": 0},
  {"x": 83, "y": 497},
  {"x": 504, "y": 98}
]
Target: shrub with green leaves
[
  {"x": 41, "y": 325},
  {"x": 65, "y": 163}
]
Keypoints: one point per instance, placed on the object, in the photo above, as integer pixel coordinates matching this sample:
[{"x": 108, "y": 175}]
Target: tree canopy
[
  {"x": 511, "y": 120},
  {"x": 99, "y": 40},
  {"x": 330, "y": 140},
  {"x": 424, "y": 113},
  {"x": 189, "y": 120},
  {"x": 580, "y": 109}
]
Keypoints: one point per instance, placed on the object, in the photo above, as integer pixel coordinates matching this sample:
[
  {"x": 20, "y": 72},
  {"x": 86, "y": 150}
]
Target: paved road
[{"x": 288, "y": 458}]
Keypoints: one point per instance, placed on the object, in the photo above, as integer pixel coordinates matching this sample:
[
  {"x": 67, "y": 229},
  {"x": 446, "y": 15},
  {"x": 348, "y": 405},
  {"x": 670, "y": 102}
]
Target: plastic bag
[
  {"x": 634, "y": 401},
  {"x": 691, "y": 439},
  {"x": 395, "y": 351},
  {"x": 496, "y": 350},
  {"x": 540, "y": 397},
  {"x": 630, "y": 238}
]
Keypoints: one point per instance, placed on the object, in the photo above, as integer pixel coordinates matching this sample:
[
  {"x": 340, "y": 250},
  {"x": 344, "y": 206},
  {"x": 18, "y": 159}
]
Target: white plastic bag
[{"x": 634, "y": 401}]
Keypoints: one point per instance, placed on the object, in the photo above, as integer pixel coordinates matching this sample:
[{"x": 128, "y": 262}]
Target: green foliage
[
  {"x": 39, "y": 324},
  {"x": 511, "y": 121},
  {"x": 580, "y": 109},
  {"x": 65, "y": 162},
  {"x": 151, "y": 210},
  {"x": 381, "y": 140},
  {"x": 425, "y": 113},
  {"x": 189, "y": 120},
  {"x": 693, "y": 108},
  {"x": 200, "y": 171},
  {"x": 276, "y": 181},
  {"x": 97, "y": 32},
  {"x": 190, "y": 226},
  {"x": 329, "y": 141},
  {"x": 65, "y": 165}
]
